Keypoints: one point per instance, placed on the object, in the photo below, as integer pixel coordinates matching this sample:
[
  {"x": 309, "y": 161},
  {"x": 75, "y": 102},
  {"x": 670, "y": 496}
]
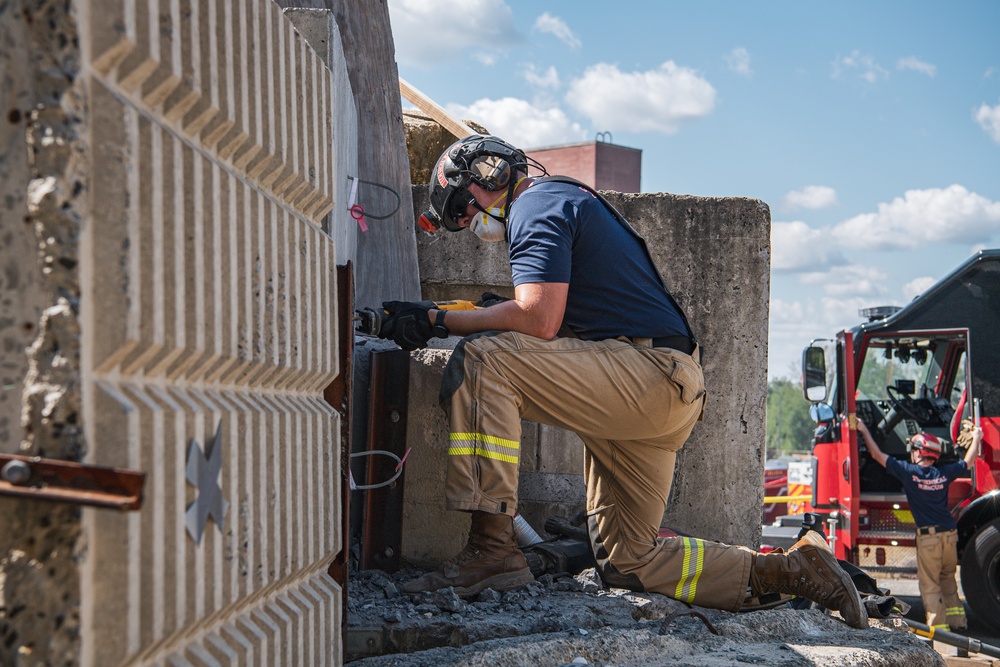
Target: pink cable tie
[{"x": 403, "y": 460}]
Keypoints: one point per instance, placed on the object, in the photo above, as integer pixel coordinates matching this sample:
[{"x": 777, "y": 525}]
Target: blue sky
[{"x": 871, "y": 129}]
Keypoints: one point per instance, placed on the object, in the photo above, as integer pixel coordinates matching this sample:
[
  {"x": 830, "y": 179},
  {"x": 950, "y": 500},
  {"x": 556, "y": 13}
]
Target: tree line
[{"x": 789, "y": 429}]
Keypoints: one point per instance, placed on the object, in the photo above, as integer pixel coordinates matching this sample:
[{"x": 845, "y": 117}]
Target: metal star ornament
[{"x": 203, "y": 470}]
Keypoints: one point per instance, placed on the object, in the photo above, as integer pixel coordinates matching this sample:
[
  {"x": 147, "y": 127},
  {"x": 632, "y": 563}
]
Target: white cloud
[
  {"x": 790, "y": 327},
  {"x": 917, "y": 65},
  {"x": 657, "y": 100},
  {"x": 989, "y": 119},
  {"x": 916, "y": 287},
  {"x": 812, "y": 197},
  {"x": 843, "y": 312},
  {"x": 556, "y": 26},
  {"x": 433, "y": 32},
  {"x": 786, "y": 311},
  {"x": 520, "y": 122},
  {"x": 949, "y": 215},
  {"x": 793, "y": 324},
  {"x": 864, "y": 65},
  {"x": 856, "y": 282},
  {"x": 549, "y": 79},
  {"x": 795, "y": 246},
  {"x": 739, "y": 61}
]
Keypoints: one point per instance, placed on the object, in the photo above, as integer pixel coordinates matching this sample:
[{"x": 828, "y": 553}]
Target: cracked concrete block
[
  {"x": 431, "y": 534},
  {"x": 529, "y": 446},
  {"x": 714, "y": 254},
  {"x": 22, "y": 292},
  {"x": 559, "y": 451}
]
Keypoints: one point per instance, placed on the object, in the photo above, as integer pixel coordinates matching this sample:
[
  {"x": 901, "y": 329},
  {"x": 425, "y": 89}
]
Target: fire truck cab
[{"x": 924, "y": 367}]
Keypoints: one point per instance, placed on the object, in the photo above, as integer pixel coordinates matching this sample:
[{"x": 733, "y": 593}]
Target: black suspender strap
[{"x": 631, "y": 230}]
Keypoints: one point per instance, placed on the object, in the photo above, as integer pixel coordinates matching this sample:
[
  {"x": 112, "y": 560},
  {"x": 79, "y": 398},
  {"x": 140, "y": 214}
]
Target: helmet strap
[{"x": 506, "y": 207}]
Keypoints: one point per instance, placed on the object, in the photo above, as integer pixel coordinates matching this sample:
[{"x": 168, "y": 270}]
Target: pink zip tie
[
  {"x": 403, "y": 460},
  {"x": 356, "y": 211}
]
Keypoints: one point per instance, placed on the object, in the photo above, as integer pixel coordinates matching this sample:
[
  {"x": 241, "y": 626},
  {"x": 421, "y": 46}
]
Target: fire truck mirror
[
  {"x": 814, "y": 374},
  {"x": 821, "y": 413}
]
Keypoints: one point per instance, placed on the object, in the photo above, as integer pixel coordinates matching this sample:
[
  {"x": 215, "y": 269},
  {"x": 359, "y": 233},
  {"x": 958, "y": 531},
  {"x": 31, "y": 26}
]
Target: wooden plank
[{"x": 434, "y": 110}]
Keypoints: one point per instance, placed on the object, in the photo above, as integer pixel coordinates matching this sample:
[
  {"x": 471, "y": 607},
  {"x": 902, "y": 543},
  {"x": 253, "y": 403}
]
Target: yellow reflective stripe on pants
[
  {"x": 694, "y": 561},
  {"x": 956, "y": 611},
  {"x": 480, "y": 444}
]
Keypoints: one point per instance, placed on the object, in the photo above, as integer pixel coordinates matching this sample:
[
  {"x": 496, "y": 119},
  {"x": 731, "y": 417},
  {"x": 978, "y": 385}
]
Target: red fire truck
[{"x": 924, "y": 367}]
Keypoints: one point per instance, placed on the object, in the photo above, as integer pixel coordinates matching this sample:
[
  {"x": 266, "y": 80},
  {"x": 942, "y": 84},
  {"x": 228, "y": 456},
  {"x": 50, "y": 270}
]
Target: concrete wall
[
  {"x": 715, "y": 255},
  {"x": 172, "y": 169},
  {"x": 22, "y": 294},
  {"x": 386, "y": 266}
]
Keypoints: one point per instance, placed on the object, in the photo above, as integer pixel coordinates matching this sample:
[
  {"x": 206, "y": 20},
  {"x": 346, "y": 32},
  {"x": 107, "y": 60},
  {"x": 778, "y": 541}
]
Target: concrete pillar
[{"x": 714, "y": 254}]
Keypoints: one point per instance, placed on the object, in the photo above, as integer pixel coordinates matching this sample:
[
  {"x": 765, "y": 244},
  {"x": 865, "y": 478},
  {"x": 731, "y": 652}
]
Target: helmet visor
[{"x": 455, "y": 207}]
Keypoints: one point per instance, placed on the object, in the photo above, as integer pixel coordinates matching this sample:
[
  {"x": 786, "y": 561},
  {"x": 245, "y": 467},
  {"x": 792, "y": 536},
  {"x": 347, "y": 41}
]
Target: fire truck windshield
[{"x": 906, "y": 386}]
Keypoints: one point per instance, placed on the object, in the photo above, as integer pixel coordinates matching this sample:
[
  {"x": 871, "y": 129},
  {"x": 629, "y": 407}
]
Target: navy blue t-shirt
[
  {"x": 927, "y": 489},
  {"x": 561, "y": 233}
]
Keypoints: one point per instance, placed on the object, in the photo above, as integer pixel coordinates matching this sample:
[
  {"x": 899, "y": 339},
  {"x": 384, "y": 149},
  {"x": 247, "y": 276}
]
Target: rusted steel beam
[
  {"x": 383, "y": 523},
  {"x": 338, "y": 395},
  {"x": 70, "y": 482}
]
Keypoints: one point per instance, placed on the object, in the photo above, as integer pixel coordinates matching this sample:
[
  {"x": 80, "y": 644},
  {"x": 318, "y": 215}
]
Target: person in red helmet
[{"x": 926, "y": 488}]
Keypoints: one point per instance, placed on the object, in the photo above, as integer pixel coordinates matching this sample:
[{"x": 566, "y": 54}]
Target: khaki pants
[
  {"x": 633, "y": 407},
  {"x": 937, "y": 560}
]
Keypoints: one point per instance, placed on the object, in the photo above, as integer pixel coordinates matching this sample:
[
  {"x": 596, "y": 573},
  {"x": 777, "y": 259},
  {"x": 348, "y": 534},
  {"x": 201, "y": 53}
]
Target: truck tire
[{"x": 981, "y": 572}]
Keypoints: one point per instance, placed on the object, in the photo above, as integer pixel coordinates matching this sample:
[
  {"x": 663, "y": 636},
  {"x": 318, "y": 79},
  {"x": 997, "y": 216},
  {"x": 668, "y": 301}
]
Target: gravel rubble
[{"x": 574, "y": 620}]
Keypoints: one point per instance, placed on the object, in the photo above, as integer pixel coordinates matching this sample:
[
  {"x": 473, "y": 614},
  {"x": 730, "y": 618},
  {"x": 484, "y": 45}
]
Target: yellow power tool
[{"x": 369, "y": 320}]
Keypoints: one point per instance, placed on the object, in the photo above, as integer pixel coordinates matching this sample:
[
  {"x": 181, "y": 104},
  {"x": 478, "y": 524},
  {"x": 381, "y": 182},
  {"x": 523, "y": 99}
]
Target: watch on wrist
[{"x": 440, "y": 330}]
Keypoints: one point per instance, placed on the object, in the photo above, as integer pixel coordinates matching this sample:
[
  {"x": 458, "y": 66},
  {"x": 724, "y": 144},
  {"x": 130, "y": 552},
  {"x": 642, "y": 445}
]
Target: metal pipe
[{"x": 960, "y": 641}]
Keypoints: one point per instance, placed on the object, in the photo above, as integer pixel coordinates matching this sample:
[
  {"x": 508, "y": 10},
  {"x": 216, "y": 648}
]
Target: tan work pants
[
  {"x": 937, "y": 560},
  {"x": 634, "y": 407}
]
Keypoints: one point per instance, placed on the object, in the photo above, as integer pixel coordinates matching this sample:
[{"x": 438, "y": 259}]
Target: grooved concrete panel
[{"x": 209, "y": 307}]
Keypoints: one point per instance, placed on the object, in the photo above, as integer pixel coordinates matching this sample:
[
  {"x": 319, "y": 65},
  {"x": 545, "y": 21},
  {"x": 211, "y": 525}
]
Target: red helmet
[{"x": 929, "y": 446}]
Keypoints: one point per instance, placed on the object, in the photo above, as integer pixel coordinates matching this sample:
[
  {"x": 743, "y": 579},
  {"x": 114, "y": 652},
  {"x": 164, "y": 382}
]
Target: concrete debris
[{"x": 566, "y": 620}]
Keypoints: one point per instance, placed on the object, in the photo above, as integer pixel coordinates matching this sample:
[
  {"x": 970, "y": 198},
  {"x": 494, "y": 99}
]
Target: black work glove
[
  {"x": 407, "y": 323},
  {"x": 490, "y": 299}
]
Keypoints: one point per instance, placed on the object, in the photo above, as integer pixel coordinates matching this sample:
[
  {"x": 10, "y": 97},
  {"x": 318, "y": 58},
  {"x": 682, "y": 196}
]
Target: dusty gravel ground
[{"x": 574, "y": 621}]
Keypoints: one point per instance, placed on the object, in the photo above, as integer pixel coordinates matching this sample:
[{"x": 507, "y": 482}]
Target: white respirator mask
[{"x": 487, "y": 225}]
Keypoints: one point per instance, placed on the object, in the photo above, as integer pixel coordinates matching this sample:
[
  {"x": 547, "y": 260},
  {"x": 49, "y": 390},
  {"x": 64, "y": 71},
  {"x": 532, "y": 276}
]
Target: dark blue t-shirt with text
[{"x": 927, "y": 489}]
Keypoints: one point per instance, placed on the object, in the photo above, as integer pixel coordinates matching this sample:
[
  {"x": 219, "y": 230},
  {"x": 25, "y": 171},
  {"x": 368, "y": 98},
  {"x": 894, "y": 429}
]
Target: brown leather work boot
[
  {"x": 813, "y": 538},
  {"x": 491, "y": 559},
  {"x": 811, "y": 572}
]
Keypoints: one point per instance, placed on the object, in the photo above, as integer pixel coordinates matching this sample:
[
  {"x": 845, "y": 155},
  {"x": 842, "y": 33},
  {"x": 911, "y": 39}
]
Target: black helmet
[{"x": 487, "y": 161}]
